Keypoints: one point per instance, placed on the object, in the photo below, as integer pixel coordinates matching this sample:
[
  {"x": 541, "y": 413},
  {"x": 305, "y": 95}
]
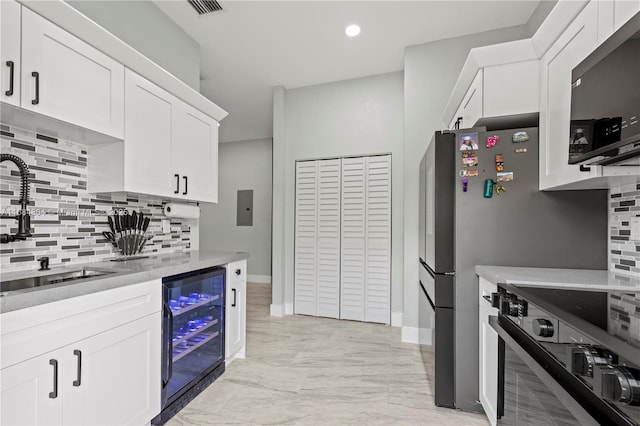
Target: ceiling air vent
[{"x": 204, "y": 7}]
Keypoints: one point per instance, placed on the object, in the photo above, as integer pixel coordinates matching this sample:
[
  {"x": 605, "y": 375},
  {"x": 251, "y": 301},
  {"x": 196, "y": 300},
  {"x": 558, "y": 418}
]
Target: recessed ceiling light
[{"x": 352, "y": 30}]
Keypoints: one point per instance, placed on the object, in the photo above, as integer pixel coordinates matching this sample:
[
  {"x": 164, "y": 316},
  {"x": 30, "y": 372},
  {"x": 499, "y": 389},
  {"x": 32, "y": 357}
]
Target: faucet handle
[{"x": 44, "y": 263}]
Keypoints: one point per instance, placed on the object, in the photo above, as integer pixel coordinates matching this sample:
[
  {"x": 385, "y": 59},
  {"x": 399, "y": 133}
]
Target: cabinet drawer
[{"x": 29, "y": 332}]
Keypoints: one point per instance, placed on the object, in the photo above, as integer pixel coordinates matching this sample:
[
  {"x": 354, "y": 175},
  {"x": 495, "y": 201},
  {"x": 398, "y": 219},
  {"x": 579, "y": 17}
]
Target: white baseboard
[
  {"x": 396, "y": 319},
  {"x": 276, "y": 311},
  {"x": 262, "y": 279},
  {"x": 410, "y": 335},
  {"x": 422, "y": 336},
  {"x": 281, "y": 310},
  {"x": 425, "y": 336}
]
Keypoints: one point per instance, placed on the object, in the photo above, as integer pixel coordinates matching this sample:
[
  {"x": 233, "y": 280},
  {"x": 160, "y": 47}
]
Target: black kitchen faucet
[{"x": 23, "y": 218}]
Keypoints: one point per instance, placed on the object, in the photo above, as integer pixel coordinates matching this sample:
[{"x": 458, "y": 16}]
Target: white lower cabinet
[
  {"x": 28, "y": 391},
  {"x": 121, "y": 366},
  {"x": 488, "y": 353},
  {"x": 105, "y": 368},
  {"x": 236, "y": 310},
  {"x": 110, "y": 378}
]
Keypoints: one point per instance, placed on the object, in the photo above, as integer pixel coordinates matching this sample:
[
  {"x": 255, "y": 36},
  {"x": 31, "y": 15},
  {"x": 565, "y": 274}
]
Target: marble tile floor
[{"x": 303, "y": 370}]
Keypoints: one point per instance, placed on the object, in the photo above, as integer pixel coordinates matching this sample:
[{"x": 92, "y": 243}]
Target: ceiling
[{"x": 251, "y": 46}]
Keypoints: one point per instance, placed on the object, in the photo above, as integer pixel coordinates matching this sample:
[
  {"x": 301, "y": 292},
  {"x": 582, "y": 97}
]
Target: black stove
[{"x": 588, "y": 341}]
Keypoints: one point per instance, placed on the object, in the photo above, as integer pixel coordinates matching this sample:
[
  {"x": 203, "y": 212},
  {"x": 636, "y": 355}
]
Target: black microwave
[{"x": 605, "y": 101}]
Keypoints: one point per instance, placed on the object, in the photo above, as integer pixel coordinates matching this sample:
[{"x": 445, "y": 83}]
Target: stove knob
[
  {"x": 543, "y": 327},
  {"x": 619, "y": 384}
]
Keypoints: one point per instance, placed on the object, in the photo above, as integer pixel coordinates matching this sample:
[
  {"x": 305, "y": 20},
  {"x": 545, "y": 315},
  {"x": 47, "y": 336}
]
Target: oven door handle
[{"x": 569, "y": 390}]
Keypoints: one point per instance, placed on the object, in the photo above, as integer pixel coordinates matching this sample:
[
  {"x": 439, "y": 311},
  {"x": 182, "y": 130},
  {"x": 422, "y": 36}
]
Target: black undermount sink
[{"x": 61, "y": 277}]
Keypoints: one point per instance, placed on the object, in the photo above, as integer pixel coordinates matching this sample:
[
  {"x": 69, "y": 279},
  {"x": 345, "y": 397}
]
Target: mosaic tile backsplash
[
  {"x": 624, "y": 229},
  {"x": 67, "y": 221}
]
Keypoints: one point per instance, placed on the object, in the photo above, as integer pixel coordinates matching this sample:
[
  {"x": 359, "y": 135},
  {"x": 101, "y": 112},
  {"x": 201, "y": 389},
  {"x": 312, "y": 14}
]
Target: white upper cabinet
[
  {"x": 495, "y": 81},
  {"x": 623, "y": 10},
  {"x": 170, "y": 149},
  {"x": 612, "y": 14},
  {"x": 10, "y": 52},
  {"x": 472, "y": 103},
  {"x": 147, "y": 148},
  {"x": 578, "y": 40},
  {"x": 194, "y": 154},
  {"x": 65, "y": 78}
]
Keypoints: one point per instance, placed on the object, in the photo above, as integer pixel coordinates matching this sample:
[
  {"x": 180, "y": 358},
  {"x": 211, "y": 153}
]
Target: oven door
[{"x": 537, "y": 389}]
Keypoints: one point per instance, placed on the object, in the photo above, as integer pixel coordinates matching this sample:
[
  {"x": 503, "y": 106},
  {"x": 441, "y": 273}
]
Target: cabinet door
[
  {"x": 236, "y": 310},
  {"x": 488, "y": 351},
  {"x": 74, "y": 82},
  {"x": 578, "y": 40},
  {"x": 458, "y": 114},
  {"x": 511, "y": 89},
  {"x": 150, "y": 112},
  {"x": 194, "y": 154},
  {"x": 623, "y": 10},
  {"x": 31, "y": 391},
  {"x": 114, "y": 377},
  {"x": 10, "y": 52},
  {"x": 472, "y": 102}
]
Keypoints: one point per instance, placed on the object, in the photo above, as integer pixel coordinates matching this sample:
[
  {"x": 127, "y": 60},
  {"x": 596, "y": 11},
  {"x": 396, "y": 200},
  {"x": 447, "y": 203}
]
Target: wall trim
[
  {"x": 261, "y": 279},
  {"x": 426, "y": 336},
  {"x": 422, "y": 336},
  {"x": 288, "y": 309},
  {"x": 276, "y": 310},
  {"x": 410, "y": 335},
  {"x": 396, "y": 319}
]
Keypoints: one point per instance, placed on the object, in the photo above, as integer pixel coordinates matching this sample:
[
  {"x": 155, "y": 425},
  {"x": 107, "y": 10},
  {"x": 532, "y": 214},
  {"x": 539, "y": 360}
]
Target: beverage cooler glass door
[{"x": 194, "y": 329}]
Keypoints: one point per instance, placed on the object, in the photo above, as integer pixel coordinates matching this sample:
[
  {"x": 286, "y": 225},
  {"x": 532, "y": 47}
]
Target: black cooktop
[{"x": 616, "y": 313}]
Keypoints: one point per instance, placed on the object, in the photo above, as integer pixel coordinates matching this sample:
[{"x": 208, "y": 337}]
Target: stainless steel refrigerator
[{"x": 461, "y": 226}]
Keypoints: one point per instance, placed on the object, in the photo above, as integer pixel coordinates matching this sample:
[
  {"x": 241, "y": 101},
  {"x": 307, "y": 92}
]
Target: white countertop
[
  {"x": 587, "y": 279},
  {"x": 124, "y": 273}
]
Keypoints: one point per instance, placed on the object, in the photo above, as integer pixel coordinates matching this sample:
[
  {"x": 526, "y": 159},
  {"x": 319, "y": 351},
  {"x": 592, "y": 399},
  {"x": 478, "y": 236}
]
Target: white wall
[
  {"x": 242, "y": 165},
  {"x": 430, "y": 72},
  {"x": 142, "y": 25},
  {"x": 353, "y": 117}
]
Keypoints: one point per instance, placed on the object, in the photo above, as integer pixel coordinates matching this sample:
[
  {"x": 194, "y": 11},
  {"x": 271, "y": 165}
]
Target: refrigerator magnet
[
  {"x": 499, "y": 163},
  {"x": 469, "y": 162},
  {"x": 492, "y": 141},
  {"x": 465, "y": 182},
  {"x": 468, "y": 173},
  {"x": 519, "y": 137},
  {"x": 520, "y": 150},
  {"x": 468, "y": 142},
  {"x": 488, "y": 188},
  {"x": 469, "y": 154},
  {"x": 505, "y": 176}
]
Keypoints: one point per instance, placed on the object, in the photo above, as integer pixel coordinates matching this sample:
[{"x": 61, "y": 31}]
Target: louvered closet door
[
  {"x": 305, "y": 238},
  {"x": 352, "y": 276},
  {"x": 328, "y": 242},
  {"x": 378, "y": 239}
]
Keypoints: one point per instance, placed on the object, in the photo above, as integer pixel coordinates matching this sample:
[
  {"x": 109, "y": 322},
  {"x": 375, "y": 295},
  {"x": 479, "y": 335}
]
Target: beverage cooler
[{"x": 193, "y": 336}]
